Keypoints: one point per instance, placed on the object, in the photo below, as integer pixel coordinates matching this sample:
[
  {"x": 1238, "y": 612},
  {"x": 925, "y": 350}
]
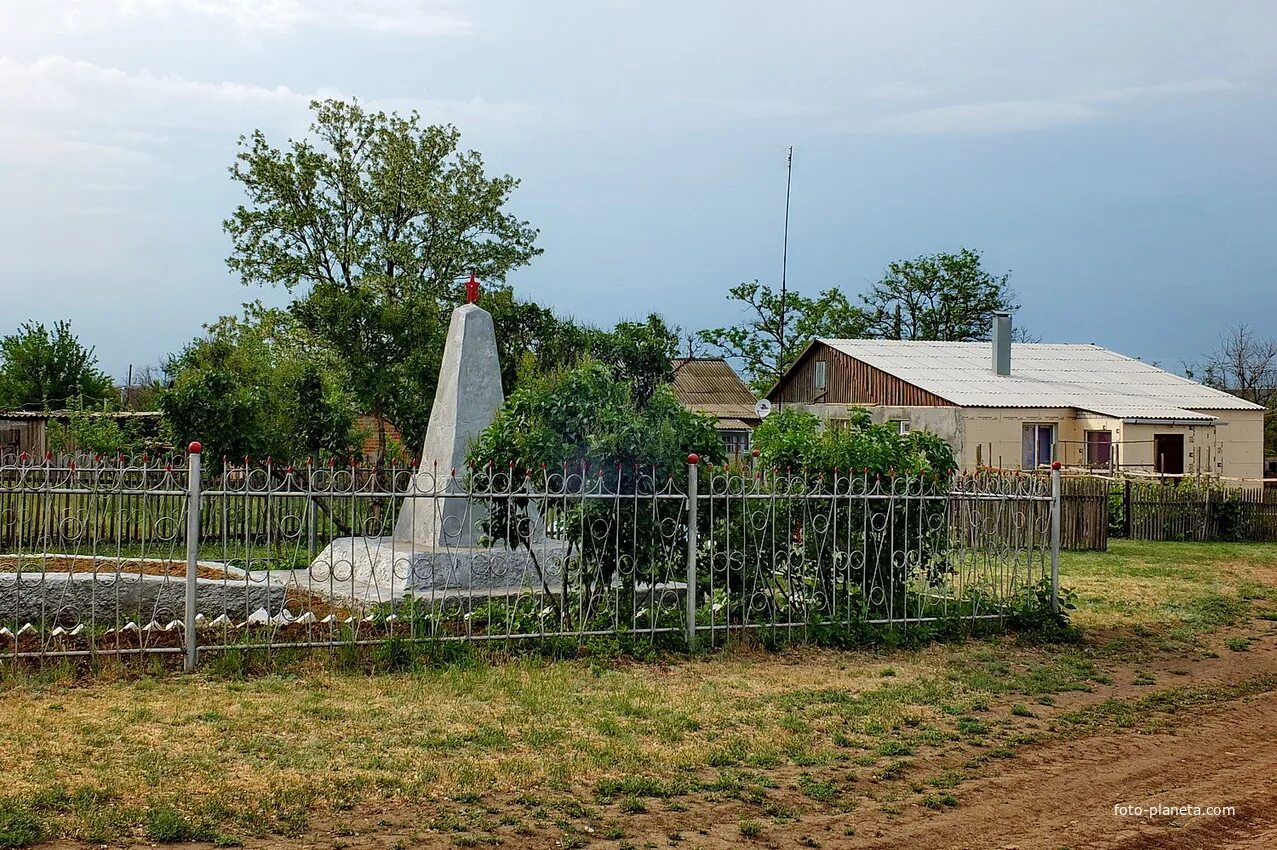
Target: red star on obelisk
[{"x": 472, "y": 289}]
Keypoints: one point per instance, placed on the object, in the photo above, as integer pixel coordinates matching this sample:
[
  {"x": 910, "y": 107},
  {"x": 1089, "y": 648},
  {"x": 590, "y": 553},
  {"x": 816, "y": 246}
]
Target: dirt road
[{"x": 1067, "y": 794}]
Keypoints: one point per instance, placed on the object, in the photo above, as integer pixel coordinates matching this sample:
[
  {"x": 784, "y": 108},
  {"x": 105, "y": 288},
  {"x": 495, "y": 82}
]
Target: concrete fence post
[
  {"x": 692, "y": 466},
  {"x": 1055, "y": 537},
  {"x": 192, "y": 553}
]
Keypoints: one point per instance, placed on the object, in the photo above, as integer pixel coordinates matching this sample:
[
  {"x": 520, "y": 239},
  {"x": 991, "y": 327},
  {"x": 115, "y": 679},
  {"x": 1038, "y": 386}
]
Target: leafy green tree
[
  {"x": 43, "y": 368},
  {"x": 91, "y": 432},
  {"x": 639, "y": 354},
  {"x": 862, "y": 467},
  {"x": 584, "y": 429},
  {"x": 937, "y": 297},
  {"x": 373, "y": 221},
  {"x": 792, "y": 439},
  {"x": 770, "y": 339},
  {"x": 258, "y": 387}
]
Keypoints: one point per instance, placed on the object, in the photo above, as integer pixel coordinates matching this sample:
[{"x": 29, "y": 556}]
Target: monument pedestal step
[{"x": 382, "y": 569}]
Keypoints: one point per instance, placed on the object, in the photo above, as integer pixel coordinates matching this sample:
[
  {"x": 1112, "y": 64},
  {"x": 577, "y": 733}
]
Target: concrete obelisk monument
[
  {"x": 466, "y": 401},
  {"x": 437, "y": 545}
]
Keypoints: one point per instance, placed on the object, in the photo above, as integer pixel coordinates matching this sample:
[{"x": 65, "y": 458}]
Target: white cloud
[
  {"x": 105, "y": 138},
  {"x": 1016, "y": 116},
  {"x": 400, "y": 17},
  {"x": 1007, "y": 116}
]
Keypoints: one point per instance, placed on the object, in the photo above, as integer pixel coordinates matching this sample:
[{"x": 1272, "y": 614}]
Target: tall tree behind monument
[{"x": 372, "y": 221}]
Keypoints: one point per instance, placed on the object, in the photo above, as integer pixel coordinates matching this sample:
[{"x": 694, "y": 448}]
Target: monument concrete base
[{"x": 382, "y": 569}]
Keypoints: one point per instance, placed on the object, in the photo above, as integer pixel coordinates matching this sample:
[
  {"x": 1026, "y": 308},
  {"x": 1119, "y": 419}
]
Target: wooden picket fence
[
  {"x": 1174, "y": 509},
  {"x": 1084, "y": 514}
]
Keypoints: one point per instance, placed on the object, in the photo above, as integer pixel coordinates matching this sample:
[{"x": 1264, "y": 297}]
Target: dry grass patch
[{"x": 1192, "y": 586}]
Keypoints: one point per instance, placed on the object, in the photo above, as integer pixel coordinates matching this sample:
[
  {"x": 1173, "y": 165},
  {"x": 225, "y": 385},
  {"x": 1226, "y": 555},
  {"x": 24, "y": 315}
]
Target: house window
[
  {"x": 1039, "y": 445},
  {"x": 736, "y": 442},
  {"x": 902, "y": 425},
  {"x": 1099, "y": 448},
  {"x": 821, "y": 376}
]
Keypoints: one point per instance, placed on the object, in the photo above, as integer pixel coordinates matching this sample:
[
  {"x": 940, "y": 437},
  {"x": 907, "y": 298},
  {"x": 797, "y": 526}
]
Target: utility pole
[{"x": 784, "y": 265}]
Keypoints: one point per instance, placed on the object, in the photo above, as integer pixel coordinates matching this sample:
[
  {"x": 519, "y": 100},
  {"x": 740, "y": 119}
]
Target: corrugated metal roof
[
  {"x": 710, "y": 385},
  {"x": 1086, "y": 377}
]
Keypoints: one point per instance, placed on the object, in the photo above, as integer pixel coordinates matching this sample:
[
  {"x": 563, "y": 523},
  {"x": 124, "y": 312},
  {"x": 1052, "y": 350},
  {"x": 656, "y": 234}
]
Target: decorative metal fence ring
[
  {"x": 373, "y": 526},
  {"x": 760, "y": 519},
  {"x": 290, "y": 526},
  {"x": 878, "y": 521},
  {"x": 336, "y": 570},
  {"x": 71, "y": 528},
  {"x": 341, "y": 481},
  {"x": 671, "y": 529},
  {"x": 166, "y": 528},
  {"x": 555, "y": 566},
  {"x": 820, "y": 523}
]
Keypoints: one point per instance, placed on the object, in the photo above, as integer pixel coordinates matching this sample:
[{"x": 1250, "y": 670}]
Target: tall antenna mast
[{"x": 784, "y": 264}]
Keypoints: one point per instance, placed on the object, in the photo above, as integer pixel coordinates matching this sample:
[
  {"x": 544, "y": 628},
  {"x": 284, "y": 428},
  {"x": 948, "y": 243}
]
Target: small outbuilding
[
  {"x": 710, "y": 386},
  {"x": 1023, "y": 405}
]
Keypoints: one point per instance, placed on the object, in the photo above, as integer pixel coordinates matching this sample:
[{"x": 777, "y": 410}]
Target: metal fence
[{"x": 105, "y": 556}]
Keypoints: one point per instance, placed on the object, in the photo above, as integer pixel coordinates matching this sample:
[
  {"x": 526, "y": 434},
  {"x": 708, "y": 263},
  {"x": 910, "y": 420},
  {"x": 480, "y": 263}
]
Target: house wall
[
  {"x": 847, "y": 381},
  {"x": 994, "y": 436},
  {"x": 1232, "y": 447},
  {"x": 1202, "y": 452},
  {"x": 944, "y": 422},
  {"x": 31, "y": 436},
  {"x": 1241, "y": 434}
]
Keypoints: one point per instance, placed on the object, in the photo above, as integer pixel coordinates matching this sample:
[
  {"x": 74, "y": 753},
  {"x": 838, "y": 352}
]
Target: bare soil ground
[{"x": 105, "y": 567}]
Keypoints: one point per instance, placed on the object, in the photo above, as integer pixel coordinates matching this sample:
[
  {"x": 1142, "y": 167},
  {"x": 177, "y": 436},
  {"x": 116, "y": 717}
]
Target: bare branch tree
[{"x": 1244, "y": 363}]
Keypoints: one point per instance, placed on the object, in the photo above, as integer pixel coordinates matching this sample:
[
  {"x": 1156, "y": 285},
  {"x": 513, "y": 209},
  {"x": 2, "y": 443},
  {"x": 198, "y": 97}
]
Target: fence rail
[{"x": 111, "y": 557}]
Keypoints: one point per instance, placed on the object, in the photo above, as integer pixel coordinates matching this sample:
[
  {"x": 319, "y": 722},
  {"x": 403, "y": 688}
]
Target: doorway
[{"x": 1168, "y": 454}]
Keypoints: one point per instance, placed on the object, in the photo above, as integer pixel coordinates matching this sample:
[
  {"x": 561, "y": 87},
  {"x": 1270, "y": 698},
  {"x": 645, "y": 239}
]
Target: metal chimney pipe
[{"x": 1002, "y": 343}]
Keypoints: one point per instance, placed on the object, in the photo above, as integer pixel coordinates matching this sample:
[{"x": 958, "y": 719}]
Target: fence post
[
  {"x": 692, "y": 465},
  {"x": 1126, "y": 509},
  {"x": 192, "y": 551},
  {"x": 1055, "y": 537}
]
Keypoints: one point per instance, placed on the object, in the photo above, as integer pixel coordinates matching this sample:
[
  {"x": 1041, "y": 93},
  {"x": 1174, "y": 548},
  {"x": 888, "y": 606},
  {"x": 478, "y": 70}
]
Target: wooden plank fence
[
  {"x": 1084, "y": 514},
  {"x": 1183, "y": 509},
  {"x": 35, "y": 521}
]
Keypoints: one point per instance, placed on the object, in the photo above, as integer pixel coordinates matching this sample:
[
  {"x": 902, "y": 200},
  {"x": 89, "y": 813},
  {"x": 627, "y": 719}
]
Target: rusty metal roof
[{"x": 711, "y": 386}]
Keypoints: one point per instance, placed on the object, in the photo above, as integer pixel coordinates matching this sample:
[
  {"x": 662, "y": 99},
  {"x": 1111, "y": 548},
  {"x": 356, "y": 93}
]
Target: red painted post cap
[
  {"x": 1055, "y": 464},
  {"x": 195, "y": 447},
  {"x": 693, "y": 459}
]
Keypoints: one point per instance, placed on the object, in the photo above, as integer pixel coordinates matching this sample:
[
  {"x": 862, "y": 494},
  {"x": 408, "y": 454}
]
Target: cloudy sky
[{"x": 1116, "y": 158}]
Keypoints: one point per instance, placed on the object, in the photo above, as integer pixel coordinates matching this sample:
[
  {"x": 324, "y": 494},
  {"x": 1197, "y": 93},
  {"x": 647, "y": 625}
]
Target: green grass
[
  {"x": 1175, "y": 589},
  {"x": 249, "y": 754}
]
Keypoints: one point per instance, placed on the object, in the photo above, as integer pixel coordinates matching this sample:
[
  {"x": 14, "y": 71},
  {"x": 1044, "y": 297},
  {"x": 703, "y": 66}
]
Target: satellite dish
[{"x": 762, "y": 407}]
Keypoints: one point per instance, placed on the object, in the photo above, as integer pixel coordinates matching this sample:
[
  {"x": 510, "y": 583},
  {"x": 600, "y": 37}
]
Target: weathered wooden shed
[{"x": 710, "y": 385}]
